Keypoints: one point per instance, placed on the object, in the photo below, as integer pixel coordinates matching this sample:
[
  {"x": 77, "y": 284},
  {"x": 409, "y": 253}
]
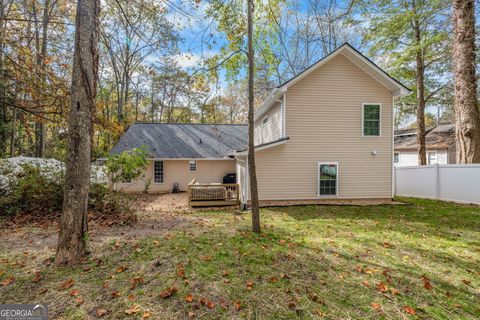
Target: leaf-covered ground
[{"x": 420, "y": 260}]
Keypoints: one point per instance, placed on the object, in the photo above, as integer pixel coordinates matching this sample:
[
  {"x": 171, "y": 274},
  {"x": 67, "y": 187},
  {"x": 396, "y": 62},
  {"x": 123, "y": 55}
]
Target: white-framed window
[
  {"x": 158, "y": 171},
  {"x": 327, "y": 179},
  {"x": 431, "y": 157},
  {"x": 371, "y": 119},
  {"x": 192, "y": 164},
  {"x": 396, "y": 157},
  {"x": 265, "y": 121}
]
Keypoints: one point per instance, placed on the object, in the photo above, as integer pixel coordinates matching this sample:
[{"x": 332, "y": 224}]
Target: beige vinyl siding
[
  {"x": 178, "y": 171},
  {"x": 271, "y": 131},
  {"x": 324, "y": 124}
]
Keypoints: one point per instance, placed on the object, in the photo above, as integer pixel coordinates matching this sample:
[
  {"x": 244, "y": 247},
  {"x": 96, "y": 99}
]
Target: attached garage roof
[{"x": 184, "y": 141}]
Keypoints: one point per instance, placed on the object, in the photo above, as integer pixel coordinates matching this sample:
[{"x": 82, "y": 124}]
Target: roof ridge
[{"x": 191, "y": 124}]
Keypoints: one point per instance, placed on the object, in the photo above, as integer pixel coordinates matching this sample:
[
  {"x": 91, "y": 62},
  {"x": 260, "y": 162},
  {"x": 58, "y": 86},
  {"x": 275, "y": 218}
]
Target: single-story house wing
[{"x": 179, "y": 153}]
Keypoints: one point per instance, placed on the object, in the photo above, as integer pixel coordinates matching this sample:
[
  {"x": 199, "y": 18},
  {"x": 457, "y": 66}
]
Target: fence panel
[{"x": 451, "y": 182}]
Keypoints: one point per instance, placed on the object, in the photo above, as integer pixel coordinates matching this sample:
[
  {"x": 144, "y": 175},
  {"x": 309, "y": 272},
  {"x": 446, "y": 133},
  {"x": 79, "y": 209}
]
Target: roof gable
[{"x": 362, "y": 62}]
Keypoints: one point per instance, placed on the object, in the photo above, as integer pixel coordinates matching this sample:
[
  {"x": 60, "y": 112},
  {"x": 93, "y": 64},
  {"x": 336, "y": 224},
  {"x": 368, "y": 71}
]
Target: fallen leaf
[
  {"x": 79, "y": 300},
  {"x": 168, "y": 292},
  {"x": 466, "y": 282},
  {"x": 101, "y": 312},
  {"x": 273, "y": 279},
  {"x": 409, "y": 310},
  {"x": 426, "y": 283},
  {"x": 225, "y": 273},
  {"x": 250, "y": 285},
  {"x": 237, "y": 305},
  {"x": 366, "y": 283},
  {"x": 316, "y": 298},
  {"x": 37, "y": 277},
  {"x": 131, "y": 297},
  {"x": 206, "y": 258},
  {"x": 180, "y": 270},
  {"x": 120, "y": 269},
  {"x": 67, "y": 284},
  {"x": 133, "y": 309},
  {"x": 189, "y": 298},
  {"x": 359, "y": 269},
  {"x": 8, "y": 281},
  {"x": 135, "y": 281},
  {"x": 191, "y": 314},
  {"x": 285, "y": 276},
  {"x": 394, "y": 291},
  {"x": 382, "y": 287},
  {"x": 86, "y": 268},
  {"x": 376, "y": 306},
  {"x": 74, "y": 292},
  {"x": 387, "y": 245},
  {"x": 210, "y": 305},
  {"x": 291, "y": 305},
  {"x": 115, "y": 294},
  {"x": 146, "y": 315}
]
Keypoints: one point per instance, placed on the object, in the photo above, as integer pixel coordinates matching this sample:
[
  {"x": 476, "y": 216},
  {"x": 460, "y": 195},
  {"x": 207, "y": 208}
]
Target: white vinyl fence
[{"x": 449, "y": 182}]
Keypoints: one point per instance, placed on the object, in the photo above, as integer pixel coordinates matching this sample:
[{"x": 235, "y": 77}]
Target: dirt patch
[{"x": 171, "y": 202}]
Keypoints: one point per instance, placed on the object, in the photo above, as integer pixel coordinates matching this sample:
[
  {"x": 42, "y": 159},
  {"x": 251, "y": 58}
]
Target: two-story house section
[{"x": 326, "y": 134}]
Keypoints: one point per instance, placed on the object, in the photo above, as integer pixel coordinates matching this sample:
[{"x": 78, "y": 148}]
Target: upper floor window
[
  {"x": 193, "y": 165},
  {"x": 158, "y": 171},
  {"x": 265, "y": 120},
  {"x": 396, "y": 157},
  {"x": 371, "y": 120}
]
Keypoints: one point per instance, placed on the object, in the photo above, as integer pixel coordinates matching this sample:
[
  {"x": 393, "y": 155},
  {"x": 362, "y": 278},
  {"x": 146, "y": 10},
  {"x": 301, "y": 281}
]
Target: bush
[{"x": 36, "y": 190}]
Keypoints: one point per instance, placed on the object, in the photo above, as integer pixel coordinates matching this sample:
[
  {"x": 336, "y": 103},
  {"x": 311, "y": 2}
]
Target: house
[
  {"x": 439, "y": 140},
  {"x": 180, "y": 153},
  {"x": 325, "y": 134}
]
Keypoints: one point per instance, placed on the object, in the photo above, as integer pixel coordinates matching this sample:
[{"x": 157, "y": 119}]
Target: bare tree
[
  {"x": 73, "y": 228},
  {"x": 251, "y": 145},
  {"x": 465, "y": 101}
]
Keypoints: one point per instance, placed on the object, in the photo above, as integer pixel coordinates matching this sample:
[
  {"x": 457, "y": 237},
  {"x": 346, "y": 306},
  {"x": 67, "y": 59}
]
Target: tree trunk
[
  {"x": 420, "y": 82},
  {"x": 467, "y": 118},
  {"x": 251, "y": 145},
  {"x": 73, "y": 228}
]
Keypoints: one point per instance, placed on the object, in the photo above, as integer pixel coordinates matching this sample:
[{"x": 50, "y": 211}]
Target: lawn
[{"x": 415, "y": 261}]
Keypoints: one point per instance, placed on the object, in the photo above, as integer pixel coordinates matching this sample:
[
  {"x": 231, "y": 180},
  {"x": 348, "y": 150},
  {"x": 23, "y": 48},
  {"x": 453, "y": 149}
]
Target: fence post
[{"x": 436, "y": 181}]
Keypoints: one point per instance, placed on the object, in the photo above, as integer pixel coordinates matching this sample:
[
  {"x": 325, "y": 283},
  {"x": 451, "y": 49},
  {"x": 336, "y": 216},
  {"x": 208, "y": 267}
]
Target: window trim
[
  {"x": 163, "y": 172},
  {"x": 336, "y": 180},
  {"x": 190, "y": 165},
  {"x": 379, "y": 119},
  {"x": 436, "y": 157}
]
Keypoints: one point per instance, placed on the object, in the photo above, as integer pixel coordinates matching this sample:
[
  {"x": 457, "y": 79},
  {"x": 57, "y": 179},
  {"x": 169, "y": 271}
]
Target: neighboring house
[
  {"x": 439, "y": 140},
  {"x": 180, "y": 153},
  {"x": 325, "y": 134}
]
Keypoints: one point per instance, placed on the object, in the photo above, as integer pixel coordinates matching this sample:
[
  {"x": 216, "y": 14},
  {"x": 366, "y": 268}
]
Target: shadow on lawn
[{"x": 438, "y": 214}]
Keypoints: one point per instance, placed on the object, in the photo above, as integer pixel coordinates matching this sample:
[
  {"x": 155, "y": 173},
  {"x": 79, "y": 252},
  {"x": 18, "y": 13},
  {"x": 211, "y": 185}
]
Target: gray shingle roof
[
  {"x": 184, "y": 141},
  {"x": 438, "y": 137}
]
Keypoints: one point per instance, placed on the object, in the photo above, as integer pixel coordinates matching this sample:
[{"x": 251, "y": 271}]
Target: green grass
[{"x": 310, "y": 262}]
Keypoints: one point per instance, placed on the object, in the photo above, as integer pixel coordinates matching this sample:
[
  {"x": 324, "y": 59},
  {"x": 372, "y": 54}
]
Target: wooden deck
[{"x": 212, "y": 195}]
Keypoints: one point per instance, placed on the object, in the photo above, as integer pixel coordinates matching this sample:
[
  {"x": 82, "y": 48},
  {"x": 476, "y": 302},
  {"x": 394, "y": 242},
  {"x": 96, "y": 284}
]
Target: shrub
[{"x": 37, "y": 190}]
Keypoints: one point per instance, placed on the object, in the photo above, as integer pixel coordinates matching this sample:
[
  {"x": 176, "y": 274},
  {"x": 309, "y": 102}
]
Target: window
[
  {"x": 432, "y": 157},
  {"x": 371, "y": 120},
  {"x": 158, "y": 172},
  {"x": 327, "y": 175},
  {"x": 265, "y": 121},
  {"x": 193, "y": 165},
  {"x": 396, "y": 157},
  {"x": 126, "y": 180}
]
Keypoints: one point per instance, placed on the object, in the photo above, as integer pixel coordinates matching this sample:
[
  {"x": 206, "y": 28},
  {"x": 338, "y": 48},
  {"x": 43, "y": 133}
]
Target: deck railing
[{"x": 213, "y": 194}]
